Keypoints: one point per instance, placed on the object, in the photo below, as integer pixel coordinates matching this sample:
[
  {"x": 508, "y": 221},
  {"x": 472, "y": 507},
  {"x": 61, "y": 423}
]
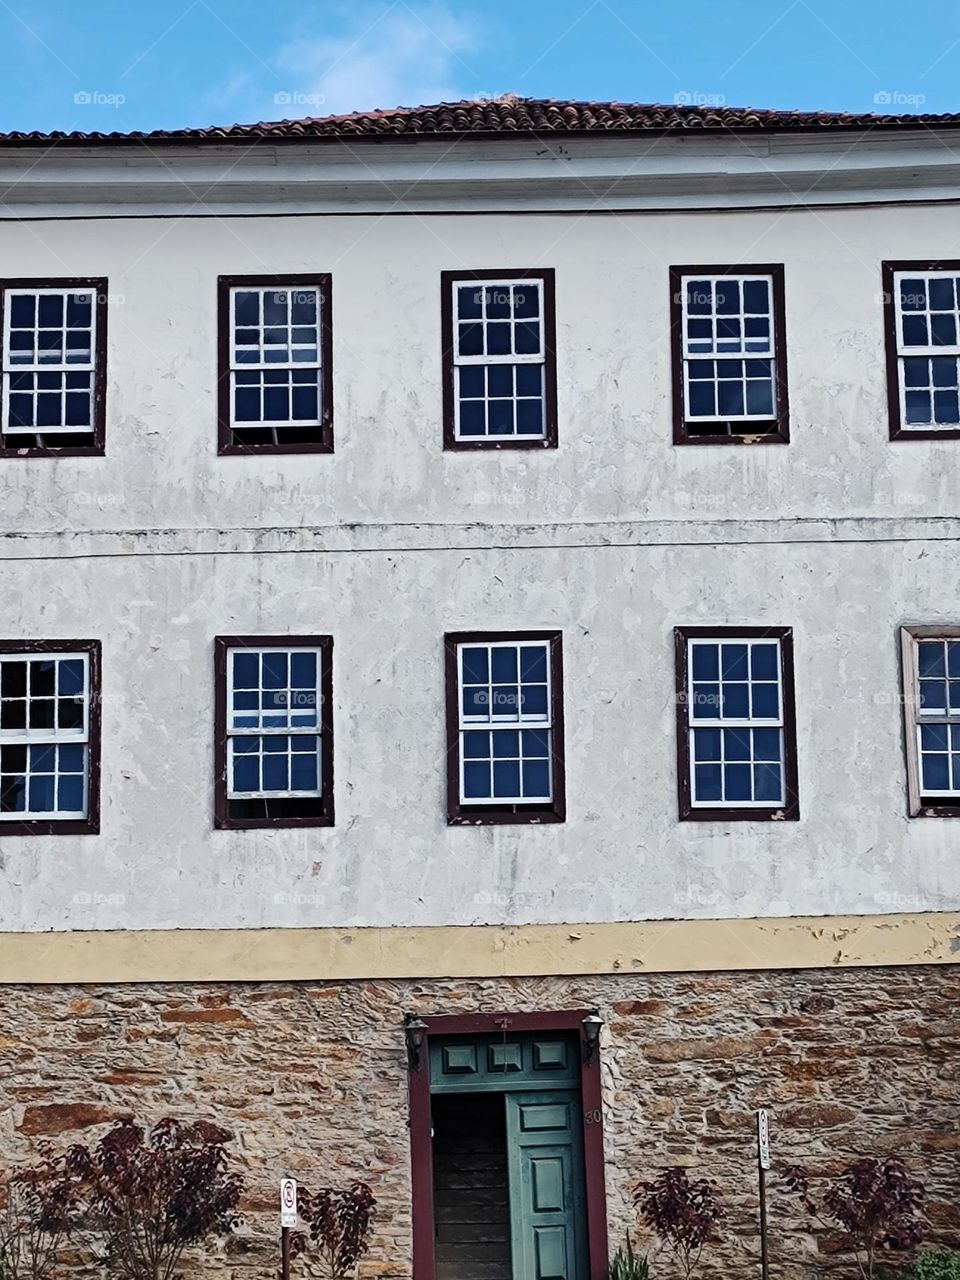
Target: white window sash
[
  {"x": 275, "y": 795},
  {"x": 718, "y": 722},
  {"x": 903, "y": 350},
  {"x": 294, "y": 731},
  {"x": 768, "y": 353},
  {"x": 481, "y": 286},
  {"x": 52, "y": 737},
  {"x": 75, "y": 366},
  {"x": 950, "y": 792},
  {"x": 260, "y": 366},
  {"x": 469, "y": 723},
  {"x": 255, "y": 365},
  {"x": 40, "y": 737},
  {"x": 9, "y": 368},
  {"x": 923, "y": 718}
]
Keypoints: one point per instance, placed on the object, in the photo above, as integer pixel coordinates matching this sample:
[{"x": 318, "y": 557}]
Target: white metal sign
[
  {"x": 763, "y": 1140},
  {"x": 288, "y": 1202}
]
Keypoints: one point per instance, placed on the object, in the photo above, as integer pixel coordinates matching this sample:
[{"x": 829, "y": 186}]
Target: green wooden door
[{"x": 547, "y": 1198}]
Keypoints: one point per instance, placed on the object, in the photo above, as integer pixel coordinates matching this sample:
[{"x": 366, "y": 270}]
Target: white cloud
[{"x": 387, "y": 56}]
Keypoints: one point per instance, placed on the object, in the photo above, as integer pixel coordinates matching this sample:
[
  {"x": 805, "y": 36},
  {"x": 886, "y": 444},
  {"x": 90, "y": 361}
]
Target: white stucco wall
[{"x": 153, "y": 548}]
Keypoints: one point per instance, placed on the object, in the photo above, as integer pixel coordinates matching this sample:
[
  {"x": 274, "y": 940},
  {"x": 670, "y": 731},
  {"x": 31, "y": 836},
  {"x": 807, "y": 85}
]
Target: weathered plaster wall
[
  {"x": 311, "y": 1079},
  {"x": 615, "y": 460},
  {"x": 390, "y": 542},
  {"x": 391, "y": 859}
]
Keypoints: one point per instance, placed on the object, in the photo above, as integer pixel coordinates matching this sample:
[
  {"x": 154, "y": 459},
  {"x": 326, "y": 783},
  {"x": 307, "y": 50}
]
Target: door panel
[{"x": 547, "y": 1196}]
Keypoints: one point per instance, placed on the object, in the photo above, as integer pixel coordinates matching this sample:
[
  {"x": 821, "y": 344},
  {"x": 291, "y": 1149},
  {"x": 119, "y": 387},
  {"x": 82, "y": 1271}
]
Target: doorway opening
[
  {"x": 471, "y": 1198},
  {"x": 509, "y": 1200}
]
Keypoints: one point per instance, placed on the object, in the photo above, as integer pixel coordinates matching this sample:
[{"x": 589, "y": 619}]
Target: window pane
[{"x": 476, "y": 780}]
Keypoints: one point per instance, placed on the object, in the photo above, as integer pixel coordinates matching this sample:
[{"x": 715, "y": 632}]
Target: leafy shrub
[
  {"x": 339, "y": 1224},
  {"x": 628, "y": 1265},
  {"x": 682, "y": 1213},
  {"x": 938, "y": 1264},
  {"x": 151, "y": 1194},
  {"x": 39, "y": 1208},
  {"x": 875, "y": 1202}
]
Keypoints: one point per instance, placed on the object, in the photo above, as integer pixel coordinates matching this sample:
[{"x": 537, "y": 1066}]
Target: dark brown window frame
[
  {"x": 322, "y": 281},
  {"x": 896, "y": 426},
  {"x": 789, "y": 812},
  {"x": 547, "y": 278},
  {"x": 472, "y": 815},
  {"x": 222, "y": 644},
  {"x": 421, "y": 1134},
  {"x": 917, "y": 806},
  {"x": 782, "y": 420},
  {"x": 90, "y": 825},
  {"x": 98, "y": 437}
]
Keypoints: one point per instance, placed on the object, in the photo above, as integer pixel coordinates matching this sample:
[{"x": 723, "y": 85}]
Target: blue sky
[{"x": 134, "y": 64}]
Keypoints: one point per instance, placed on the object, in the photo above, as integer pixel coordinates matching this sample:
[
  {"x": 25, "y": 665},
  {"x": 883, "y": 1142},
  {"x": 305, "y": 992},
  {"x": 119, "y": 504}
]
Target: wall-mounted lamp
[
  {"x": 591, "y": 1033},
  {"x": 415, "y": 1030}
]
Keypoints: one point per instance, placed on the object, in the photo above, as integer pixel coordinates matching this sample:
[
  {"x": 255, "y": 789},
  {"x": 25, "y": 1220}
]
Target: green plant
[
  {"x": 626, "y": 1265},
  {"x": 938, "y": 1264}
]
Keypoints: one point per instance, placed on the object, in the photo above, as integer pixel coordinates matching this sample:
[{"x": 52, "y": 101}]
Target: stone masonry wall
[{"x": 311, "y": 1078}]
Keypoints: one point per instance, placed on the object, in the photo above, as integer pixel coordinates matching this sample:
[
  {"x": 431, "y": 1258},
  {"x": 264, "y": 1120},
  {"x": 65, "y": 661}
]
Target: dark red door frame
[{"x": 421, "y": 1135}]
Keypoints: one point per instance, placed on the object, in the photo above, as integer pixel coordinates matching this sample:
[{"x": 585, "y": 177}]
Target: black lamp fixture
[
  {"x": 415, "y": 1030},
  {"x": 591, "y": 1033}
]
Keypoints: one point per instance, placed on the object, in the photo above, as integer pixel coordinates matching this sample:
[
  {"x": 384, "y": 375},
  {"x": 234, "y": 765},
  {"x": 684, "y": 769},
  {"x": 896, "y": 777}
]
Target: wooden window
[
  {"x": 274, "y": 731},
  {"x": 499, "y": 359},
  {"x": 931, "y": 700},
  {"x": 276, "y": 378},
  {"x": 505, "y": 727},
  {"x": 922, "y": 320},
  {"x": 736, "y": 724},
  {"x": 49, "y": 737},
  {"x": 729, "y": 355},
  {"x": 54, "y": 367}
]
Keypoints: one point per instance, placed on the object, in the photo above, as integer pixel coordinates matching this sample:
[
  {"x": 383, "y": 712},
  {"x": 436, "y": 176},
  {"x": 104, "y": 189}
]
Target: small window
[
  {"x": 276, "y": 383},
  {"x": 274, "y": 736},
  {"x": 505, "y": 727},
  {"x": 736, "y": 724},
  {"x": 54, "y": 367},
  {"x": 729, "y": 355},
  {"x": 49, "y": 737},
  {"x": 499, "y": 360},
  {"x": 922, "y": 308},
  {"x": 931, "y": 689}
]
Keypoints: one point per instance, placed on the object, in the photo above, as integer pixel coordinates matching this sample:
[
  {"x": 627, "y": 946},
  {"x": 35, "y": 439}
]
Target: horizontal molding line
[
  {"x": 478, "y": 951},
  {"x": 74, "y": 212},
  {"x": 423, "y": 537}
]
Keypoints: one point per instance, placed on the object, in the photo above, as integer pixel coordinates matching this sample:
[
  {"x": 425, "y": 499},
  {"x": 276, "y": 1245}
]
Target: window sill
[
  {"x": 493, "y": 444},
  {"x": 252, "y": 450},
  {"x": 51, "y": 827},
  {"x": 936, "y": 809},
  {"x": 786, "y": 813},
  {"x": 71, "y": 451},
  {"x": 250, "y": 824},
  {"x": 780, "y": 436},
  {"x": 484, "y": 816},
  {"x": 925, "y": 433}
]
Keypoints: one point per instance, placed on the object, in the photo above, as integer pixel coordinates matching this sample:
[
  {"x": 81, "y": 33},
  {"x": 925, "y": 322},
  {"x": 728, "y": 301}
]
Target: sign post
[
  {"x": 288, "y": 1221},
  {"x": 763, "y": 1164}
]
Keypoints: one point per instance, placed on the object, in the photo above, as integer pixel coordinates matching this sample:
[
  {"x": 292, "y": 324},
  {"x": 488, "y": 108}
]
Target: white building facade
[{"x": 485, "y": 563}]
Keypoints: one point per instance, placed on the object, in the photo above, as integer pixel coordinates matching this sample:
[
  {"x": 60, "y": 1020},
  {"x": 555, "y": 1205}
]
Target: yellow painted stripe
[{"x": 482, "y": 951}]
